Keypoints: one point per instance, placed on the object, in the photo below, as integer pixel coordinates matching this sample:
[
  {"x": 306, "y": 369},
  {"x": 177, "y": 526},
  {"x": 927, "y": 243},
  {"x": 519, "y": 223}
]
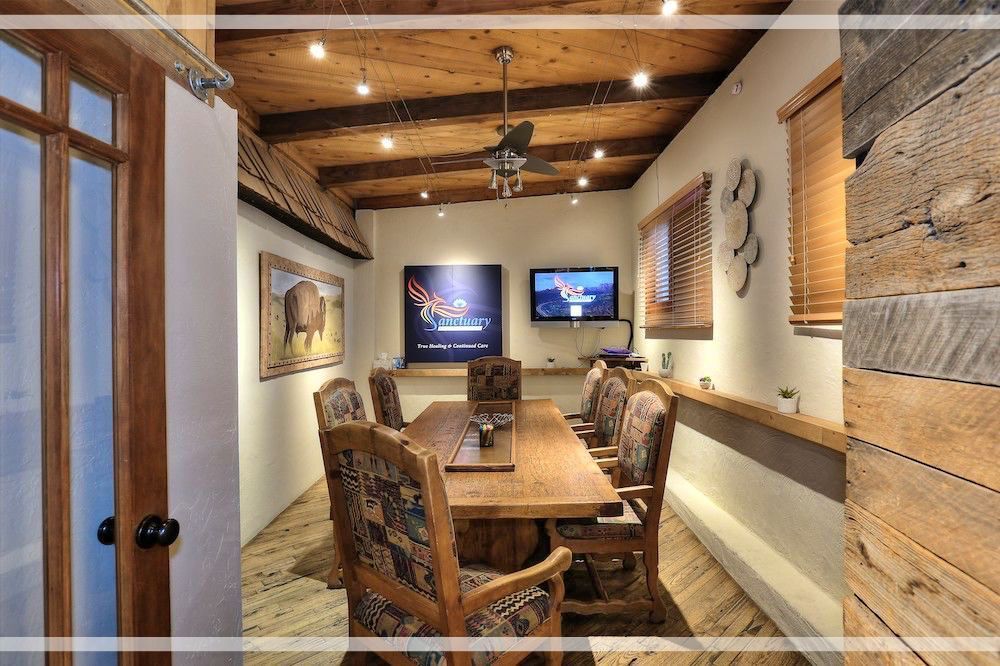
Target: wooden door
[{"x": 82, "y": 399}]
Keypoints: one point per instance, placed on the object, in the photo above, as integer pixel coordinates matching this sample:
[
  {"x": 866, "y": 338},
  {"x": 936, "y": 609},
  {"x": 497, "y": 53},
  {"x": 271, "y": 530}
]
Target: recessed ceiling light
[
  {"x": 387, "y": 142},
  {"x": 669, "y": 7},
  {"x": 318, "y": 49},
  {"x": 424, "y": 195},
  {"x": 582, "y": 181},
  {"x": 598, "y": 154},
  {"x": 640, "y": 80}
]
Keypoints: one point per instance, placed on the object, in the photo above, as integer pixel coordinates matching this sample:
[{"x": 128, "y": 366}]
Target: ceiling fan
[{"x": 510, "y": 157}]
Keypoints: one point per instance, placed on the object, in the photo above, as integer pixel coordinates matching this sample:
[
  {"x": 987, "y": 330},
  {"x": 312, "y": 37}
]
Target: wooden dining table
[{"x": 498, "y": 515}]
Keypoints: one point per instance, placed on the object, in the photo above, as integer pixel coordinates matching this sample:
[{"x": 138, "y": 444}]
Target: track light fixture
[
  {"x": 318, "y": 49},
  {"x": 640, "y": 80},
  {"x": 598, "y": 154},
  {"x": 363, "y": 88},
  {"x": 424, "y": 194},
  {"x": 440, "y": 210},
  {"x": 387, "y": 142},
  {"x": 573, "y": 199},
  {"x": 582, "y": 181}
]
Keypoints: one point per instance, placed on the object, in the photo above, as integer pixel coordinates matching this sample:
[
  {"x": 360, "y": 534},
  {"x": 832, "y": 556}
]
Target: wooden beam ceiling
[
  {"x": 378, "y": 117},
  {"x": 482, "y": 194},
  {"x": 649, "y": 146}
]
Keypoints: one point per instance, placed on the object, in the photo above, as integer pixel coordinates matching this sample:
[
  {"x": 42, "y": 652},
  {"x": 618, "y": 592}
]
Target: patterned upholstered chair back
[
  {"x": 494, "y": 378},
  {"x": 385, "y": 398},
  {"x": 338, "y": 401},
  {"x": 610, "y": 406},
  {"x": 646, "y": 435},
  {"x": 591, "y": 391}
]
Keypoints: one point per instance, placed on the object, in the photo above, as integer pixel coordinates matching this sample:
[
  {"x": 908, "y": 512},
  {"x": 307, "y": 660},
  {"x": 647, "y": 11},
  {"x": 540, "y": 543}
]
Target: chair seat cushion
[
  {"x": 626, "y": 526},
  {"x": 514, "y": 616}
]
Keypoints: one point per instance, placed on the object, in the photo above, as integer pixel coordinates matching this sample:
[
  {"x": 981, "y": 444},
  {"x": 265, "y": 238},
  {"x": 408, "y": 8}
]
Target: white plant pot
[
  {"x": 788, "y": 405},
  {"x": 550, "y": 364},
  {"x": 667, "y": 372},
  {"x": 705, "y": 385}
]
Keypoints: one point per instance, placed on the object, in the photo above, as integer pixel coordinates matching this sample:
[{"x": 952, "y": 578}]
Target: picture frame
[{"x": 314, "y": 302}]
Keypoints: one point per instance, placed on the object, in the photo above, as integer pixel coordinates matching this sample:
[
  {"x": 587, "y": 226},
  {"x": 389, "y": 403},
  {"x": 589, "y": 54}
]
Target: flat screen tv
[{"x": 574, "y": 294}]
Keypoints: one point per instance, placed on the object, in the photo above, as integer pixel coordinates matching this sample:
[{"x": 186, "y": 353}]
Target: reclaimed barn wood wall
[{"x": 921, "y": 342}]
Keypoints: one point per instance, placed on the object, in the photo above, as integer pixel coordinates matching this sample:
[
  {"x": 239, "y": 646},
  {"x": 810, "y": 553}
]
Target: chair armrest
[
  {"x": 606, "y": 463},
  {"x": 583, "y": 434},
  {"x": 635, "y": 492},
  {"x": 603, "y": 451},
  {"x": 572, "y": 416},
  {"x": 579, "y": 427},
  {"x": 557, "y": 562}
]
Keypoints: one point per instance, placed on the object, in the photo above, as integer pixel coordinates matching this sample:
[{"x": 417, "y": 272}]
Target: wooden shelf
[
  {"x": 819, "y": 431},
  {"x": 461, "y": 372}
]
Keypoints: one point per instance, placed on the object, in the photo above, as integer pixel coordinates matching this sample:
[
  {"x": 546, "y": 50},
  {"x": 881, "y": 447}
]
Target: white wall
[
  {"x": 201, "y": 370},
  {"x": 786, "y": 492},
  {"x": 279, "y": 447},
  {"x": 520, "y": 234}
]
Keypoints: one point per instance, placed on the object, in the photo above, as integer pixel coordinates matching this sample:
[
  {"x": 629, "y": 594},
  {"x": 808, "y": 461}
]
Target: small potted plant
[
  {"x": 788, "y": 400},
  {"x": 667, "y": 365},
  {"x": 705, "y": 382},
  {"x": 550, "y": 362}
]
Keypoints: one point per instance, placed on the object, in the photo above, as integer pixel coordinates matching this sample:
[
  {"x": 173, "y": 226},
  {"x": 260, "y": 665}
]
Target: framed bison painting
[{"x": 301, "y": 317}]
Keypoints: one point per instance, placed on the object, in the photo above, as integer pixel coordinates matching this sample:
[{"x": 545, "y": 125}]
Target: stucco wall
[
  {"x": 520, "y": 234},
  {"x": 788, "y": 492},
  {"x": 201, "y": 338},
  {"x": 279, "y": 448}
]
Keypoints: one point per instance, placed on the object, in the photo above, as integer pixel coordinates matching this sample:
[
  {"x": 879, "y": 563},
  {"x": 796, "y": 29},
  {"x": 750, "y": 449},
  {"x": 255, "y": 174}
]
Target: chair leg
[
  {"x": 651, "y": 559},
  {"x": 628, "y": 561},
  {"x": 334, "y": 580}
]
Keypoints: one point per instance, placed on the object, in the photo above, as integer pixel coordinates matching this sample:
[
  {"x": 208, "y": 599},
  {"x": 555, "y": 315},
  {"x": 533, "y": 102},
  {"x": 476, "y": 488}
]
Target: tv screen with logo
[
  {"x": 452, "y": 313},
  {"x": 574, "y": 294}
]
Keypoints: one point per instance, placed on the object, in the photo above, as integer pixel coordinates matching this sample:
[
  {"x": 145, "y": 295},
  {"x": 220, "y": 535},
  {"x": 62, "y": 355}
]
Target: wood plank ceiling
[{"x": 436, "y": 93}]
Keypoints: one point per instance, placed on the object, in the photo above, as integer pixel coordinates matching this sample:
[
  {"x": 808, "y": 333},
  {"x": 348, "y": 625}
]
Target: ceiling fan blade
[
  {"x": 518, "y": 138},
  {"x": 538, "y": 165}
]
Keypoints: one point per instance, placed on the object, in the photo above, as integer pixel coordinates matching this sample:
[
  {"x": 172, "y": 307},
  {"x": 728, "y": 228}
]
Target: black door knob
[
  {"x": 154, "y": 531},
  {"x": 106, "y": 531}
]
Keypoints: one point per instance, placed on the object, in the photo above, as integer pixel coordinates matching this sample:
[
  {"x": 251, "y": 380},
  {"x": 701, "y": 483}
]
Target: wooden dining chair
[
  {"x": 494, "y": 378},
  {"x": 385, "y": 398},
  {"x": 639, "y": 463},
  {"x": 589, "y": 397},
  {"x": 337, "y": 401},
  {"x": 618, "y": 385},
  {"x": 401, "y": 568}
]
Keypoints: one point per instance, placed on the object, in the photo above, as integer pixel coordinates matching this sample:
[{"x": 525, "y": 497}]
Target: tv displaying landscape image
[{"x": 569, "y": 294}]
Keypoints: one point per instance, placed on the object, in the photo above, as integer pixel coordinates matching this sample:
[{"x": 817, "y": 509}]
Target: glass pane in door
[
  {"x": 91, "y": 109},
  {"x": 20, "y": 74},
  {"x": 91, "y": 397},
  {"x": 21, "y": 554}
]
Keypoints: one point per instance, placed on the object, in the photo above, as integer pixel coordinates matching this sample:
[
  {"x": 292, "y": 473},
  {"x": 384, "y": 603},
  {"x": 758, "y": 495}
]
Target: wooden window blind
[
  {"x": 675, "y": 259},
  {"x": 817, "y": 171}
]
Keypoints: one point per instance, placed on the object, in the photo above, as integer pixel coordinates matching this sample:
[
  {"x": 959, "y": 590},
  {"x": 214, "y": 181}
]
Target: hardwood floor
[{"x": 285, "y": 594}]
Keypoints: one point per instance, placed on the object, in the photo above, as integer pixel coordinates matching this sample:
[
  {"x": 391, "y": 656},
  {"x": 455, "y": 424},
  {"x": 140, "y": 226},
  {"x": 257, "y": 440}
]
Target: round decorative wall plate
[
  {"x": 736, "y": 223},
  {"x": 740, "y": 247},
  {"x": 748, "y": 187}
]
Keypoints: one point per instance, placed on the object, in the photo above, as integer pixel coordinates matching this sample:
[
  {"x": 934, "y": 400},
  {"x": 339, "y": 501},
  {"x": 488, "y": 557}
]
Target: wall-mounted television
[{"x": 574, "y": 294}]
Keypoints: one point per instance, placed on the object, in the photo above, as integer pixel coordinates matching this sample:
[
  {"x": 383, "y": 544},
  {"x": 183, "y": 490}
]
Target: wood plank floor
[{"x": 284, "y": 594}]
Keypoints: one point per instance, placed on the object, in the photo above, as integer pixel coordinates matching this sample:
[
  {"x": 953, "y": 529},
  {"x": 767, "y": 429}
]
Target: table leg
[{"x": 504, "y": 544}]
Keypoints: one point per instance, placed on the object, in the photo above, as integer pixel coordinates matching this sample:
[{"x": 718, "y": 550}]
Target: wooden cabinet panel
[
  {"x": 949, "y": 425},
  {"x": 915, "y": 592},
  {"x": 922, "y": 209},
  {"x": 958, "y": 520}
]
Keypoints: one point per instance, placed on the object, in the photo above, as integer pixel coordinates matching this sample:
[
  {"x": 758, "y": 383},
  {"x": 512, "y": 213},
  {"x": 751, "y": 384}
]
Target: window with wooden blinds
[
  {"x": 817, "y": 171},
  {"x": 675, "y": 259}
]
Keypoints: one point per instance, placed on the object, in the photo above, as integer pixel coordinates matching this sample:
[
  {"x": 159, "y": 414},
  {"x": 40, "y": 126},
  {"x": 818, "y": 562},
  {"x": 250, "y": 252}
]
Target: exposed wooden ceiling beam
[
  {"x": 376, "y": 117},
  {"x": 649, "y": 146},
  {"x": 484, "y": 194}
]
